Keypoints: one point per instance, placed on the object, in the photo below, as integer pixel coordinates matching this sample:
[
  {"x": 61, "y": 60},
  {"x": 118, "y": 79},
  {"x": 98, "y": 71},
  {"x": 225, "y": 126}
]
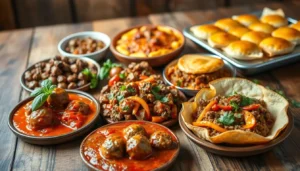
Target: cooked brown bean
[
  {"x": 81, "y": 83},
  {"x": 81, "y": 76},
  {"x": 72, "y": 60},
  {"x": 45, "y": 75},
  {"x": 72, "y": 78},
  {"x": 53, "y": 80},
  {"x": 74, "y": 68},
  {"x": 36, "y": 76},
  {"x": 62, "y": 85},
  {"x": 55, "y": 71},
  {"x": 33, "y": 84},
  {"x": 28, "y": 76},
  {"x": 72, "y": 85},
  {"x": 66, "y": 67},
  {"x": 61, "y": 78}
]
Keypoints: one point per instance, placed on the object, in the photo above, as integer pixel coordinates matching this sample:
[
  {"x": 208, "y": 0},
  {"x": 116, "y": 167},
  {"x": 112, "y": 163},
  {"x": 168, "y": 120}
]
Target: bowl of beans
[
  {"x": 79, "y": 73},
  {"x": 89, "y": 44}
]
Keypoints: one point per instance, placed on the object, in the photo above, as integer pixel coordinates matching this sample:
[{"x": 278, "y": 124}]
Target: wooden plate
[
  {"x": 153, "y": 61},
  {"x": 168, "y": 123},
  {"x": 50, "y": 140},
  {"x": 163, "y": 167},
  {"x": 237, "y": 151}
]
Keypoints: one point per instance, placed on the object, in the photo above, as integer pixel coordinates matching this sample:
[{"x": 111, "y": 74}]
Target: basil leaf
[
  {"x": 86, "y": 72},
  {"x": 38, "y": 101},
  {"x": 226, "y": 119},
  {"x": 36, "y": 92},
  {"x": 94, "y": 81},
  {"x": 46, "y": 83},
  {"x": 104, "y": 71}
]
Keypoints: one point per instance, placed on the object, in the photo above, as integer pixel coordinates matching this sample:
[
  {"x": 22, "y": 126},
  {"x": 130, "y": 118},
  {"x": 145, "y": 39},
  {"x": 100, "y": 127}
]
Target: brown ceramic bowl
[
  {"x": 50, "y": 140},
  {"x": 153, "y": 61},
  {"x": 168, "y": 123},
  {"x": 85, "y": 87},
  {"x": 163, "y": 167},
  {"x": 237, "y": 151}
]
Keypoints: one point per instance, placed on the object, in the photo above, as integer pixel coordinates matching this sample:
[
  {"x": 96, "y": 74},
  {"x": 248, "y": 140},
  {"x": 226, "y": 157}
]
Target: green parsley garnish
[
  {"x": 107, "y": 65},
  {"x": 125, "y": 108},
  {"x": 123, "y": 87},
  {"x": 226, "y": 119},
  {"x": 122, "y": 75},
  {"x": 235, "y": 106},
  {"x": 120, "y": 97},
  {"x": 131, "y": 89},
  {"x": 246, "y": 101},
  {"x": 93, "y": 77}
]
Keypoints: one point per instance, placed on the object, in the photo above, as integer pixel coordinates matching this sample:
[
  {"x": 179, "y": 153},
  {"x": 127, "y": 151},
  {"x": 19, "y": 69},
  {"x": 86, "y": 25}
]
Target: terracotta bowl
[
  {"x": 153, "y": 61},
  {"x": 164, "y": 167},
  {"x": 168, "y": 123},
  {"x": 192, "y": 92},
  {"x": 54, "y": 139},
  {"x": 237, "y": 151},
  {"x": 85, "y": 87}
]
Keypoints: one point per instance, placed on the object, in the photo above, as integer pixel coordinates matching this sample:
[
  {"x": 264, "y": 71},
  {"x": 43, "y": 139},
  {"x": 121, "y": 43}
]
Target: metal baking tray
[{"x": 249, "y": 67}]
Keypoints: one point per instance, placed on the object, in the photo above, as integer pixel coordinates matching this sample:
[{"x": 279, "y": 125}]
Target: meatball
[
  {"x": 132, "y": 130},
  {"x": 59, "y": 98},
  {"x": 41, "y": 118},
  {"x": 161, "y": 140},
  {"x": 113, "y": 147},
  {"x": 138, "y": 147},
  {"x": 78, "y": 106}
]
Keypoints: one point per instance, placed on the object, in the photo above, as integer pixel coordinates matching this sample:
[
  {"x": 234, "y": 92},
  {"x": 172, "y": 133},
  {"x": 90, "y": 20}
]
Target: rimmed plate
[
  {"x": 191, "y": 92},
  {"x": 50, "y": 140},
  {"x": 85, "y": 87},
  {"x": 237, "y": 151},
  {"x": 163, "y": 167}
]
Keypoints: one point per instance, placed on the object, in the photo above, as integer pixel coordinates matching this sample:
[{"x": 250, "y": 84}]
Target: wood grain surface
[{"x": 22, "y": 48}]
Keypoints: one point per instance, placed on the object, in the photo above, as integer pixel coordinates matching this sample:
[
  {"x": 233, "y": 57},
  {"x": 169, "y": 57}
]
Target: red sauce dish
[
  {"x": 65, "y": 124},
  {"x": 130, "y": 145}
]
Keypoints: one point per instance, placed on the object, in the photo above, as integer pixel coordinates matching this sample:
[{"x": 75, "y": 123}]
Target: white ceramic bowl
[{"x": 97, "y": 55}]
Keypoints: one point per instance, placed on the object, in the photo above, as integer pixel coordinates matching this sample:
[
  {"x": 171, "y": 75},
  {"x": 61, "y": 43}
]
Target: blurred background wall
[{"x": 29, "y": 13}]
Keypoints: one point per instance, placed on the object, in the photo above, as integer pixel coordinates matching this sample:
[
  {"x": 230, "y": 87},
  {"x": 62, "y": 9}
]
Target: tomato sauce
[
  {"x": 19, "y": 120},
  {"x": 91, "y": 153}
]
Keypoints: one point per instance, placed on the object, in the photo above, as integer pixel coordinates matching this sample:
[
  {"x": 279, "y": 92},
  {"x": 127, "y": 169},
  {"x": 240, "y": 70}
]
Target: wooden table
[{"x": 21, "y": 48}]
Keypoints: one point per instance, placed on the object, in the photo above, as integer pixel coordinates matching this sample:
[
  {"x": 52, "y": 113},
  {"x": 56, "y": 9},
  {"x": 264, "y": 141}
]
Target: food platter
[{"x": 248, "y": 67}]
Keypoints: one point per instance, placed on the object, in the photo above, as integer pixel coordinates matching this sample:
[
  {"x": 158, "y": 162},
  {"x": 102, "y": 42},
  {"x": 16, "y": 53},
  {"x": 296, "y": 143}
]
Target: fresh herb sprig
[
  {"x": 41, "y": 94},
  {"x": 155, "y": 91},
  {"x": 94, "y": 79},
  {"x": 107, "y": 66},
  {"x": 226, "y": 119}
]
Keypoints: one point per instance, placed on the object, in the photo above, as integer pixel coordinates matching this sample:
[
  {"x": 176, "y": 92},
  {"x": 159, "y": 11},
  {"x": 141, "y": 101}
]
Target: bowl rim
[
  {"x": 236, "y": 149},
  {"x": 31, "y": 137},
  {"x": 84, "y": 34},
  {"x": 119, "y": 34},
  {"x": 226, "y": 64},
  {"x": 164, "y": 166},
  {"x": 22, "y": 78}
]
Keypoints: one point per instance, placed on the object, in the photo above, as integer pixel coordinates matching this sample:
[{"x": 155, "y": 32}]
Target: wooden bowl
[
  {"x": 163, "y": 167},
  {"x": 50, "y": 140},
  {"x": 167, "y": 123},
  {"x": 233, "y": 150},
  {"x": 153, "y": 61},
  {"x": 85, "y": 87},
  {"x": 192, "y": 92}
]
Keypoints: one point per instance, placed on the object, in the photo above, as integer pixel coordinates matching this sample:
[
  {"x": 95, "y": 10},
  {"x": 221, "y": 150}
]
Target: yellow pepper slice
[
  {"x": 143, "y": 104},
  {"x": 205, "y": 110},
  {"x": 249, "y": 120},
  {"x": 210, "y": 125}
]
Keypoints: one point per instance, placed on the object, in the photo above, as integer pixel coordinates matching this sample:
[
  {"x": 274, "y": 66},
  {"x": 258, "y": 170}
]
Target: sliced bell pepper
[
  {"x": 249, "y": 120},
  {"x": 142, "y": 77},
  {"x": 205, "y": 110},
  {"x": 135, "y": 108},
  {"x": 157, "y": 119},
  {"x": 143, "y": 103},
  {"x": 149, "y": 79},
  {"x": 210, "y": 125},
  {"x": 217, "y": 107},
  {"x": 174, "y": 111},
  {"x": 251, "y": 107}
]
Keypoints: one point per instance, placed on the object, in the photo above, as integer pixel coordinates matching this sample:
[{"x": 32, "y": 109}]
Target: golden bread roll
[
  {"x": 288, "y": 34},
  {"x": 243, "y": 50},
  {"x": 296, "y": 26},
  {"x": 221, "y": 39},
  {"x": 254, "y": 37},
  {"x": 204, "y": 31},
  {"x": 274, "y": 20},
  {"x": 198, "y": 64},
  {"x": 227, "y": 24},
  {"x": 238, "y": 31},
  {"x": 246, "y": 19},
  {"x": 262, "y": 27},
  {"x": 276, "y": 46}
]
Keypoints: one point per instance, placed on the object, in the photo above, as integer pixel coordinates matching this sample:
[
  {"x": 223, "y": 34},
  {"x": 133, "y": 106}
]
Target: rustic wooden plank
[
  {"x": 46, "y": 12},
  {"x": 14, "y": 49},
  {"x": 89, "y": 10},
  {"x": 7, "y": 20},
  {"x": 59, "y": 157}
]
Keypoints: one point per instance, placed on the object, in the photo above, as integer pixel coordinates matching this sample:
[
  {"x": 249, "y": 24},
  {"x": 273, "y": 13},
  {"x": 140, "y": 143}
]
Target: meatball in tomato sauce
[
  {"x": 138, "y": 147},
  {"x": 40, "y": 118},
  {"x": 161, "y": 140},
  {"x": 113, "y": 147},
  {"x": 78, "y": 107},
  {"x": 58, "y": 99},
  {"x": 134, "y": 129}
]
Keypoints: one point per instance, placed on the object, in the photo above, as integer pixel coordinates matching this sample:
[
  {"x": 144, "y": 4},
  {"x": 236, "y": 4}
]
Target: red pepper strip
[
  {"x": 251, "y": 107},
  {"x": 113, "y": 80},
  {"x": 217, "y": 107},
  {"x": 142, "y": 77},
  {"x": 157, "y": 119},
  {"x": 174, "y": 112},
  {"x": 249, "y": 120},
  {"x": 210, "y": 125}
]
